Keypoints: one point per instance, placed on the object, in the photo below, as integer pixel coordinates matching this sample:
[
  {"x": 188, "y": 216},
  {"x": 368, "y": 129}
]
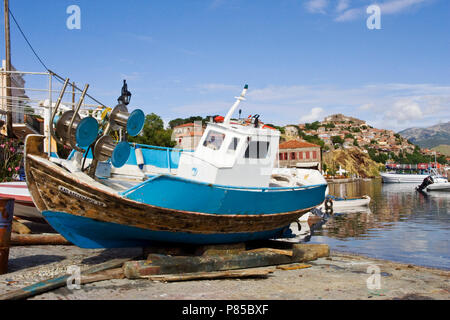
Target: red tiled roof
[
  {"x": 295, "y": 144},
  {"x": 186, "y": 125}
]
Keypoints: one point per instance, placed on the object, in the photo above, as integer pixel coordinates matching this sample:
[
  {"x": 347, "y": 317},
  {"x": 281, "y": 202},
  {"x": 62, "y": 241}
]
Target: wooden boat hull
[{"x": 92, "y": 216}]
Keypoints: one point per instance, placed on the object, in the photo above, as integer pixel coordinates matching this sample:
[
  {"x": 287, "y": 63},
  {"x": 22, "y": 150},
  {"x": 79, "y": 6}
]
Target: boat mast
[
  {"x": 235, "y": 105},
  {"x": 8, "y": 103}
]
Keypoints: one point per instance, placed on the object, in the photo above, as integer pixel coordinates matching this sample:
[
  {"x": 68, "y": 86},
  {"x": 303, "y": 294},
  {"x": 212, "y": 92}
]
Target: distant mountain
[{"x": 428, "y": 137}]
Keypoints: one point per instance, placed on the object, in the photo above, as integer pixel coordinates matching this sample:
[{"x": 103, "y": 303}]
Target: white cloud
[
  {"x": 316, "y": 6},
  {"x": 131, "y": 76},
  {"x": 395, "y": 6},
  {"x": 342, "y": 5},
  {"x": 366, "y": 106},
  {"x": 350, "y": 14},
  {"x": 315, "y": 114},
  {"x": 404, "y": 110},
  {"x": 347, "y": 13}
]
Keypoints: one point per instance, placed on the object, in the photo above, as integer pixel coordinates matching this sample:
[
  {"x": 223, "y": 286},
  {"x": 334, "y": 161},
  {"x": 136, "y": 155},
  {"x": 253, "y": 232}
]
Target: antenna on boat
[{"x": 235, "y": 105}]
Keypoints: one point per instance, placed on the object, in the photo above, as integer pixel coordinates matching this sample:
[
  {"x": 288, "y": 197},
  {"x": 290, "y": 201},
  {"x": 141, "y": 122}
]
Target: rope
[{"x": 26, "y": 39}]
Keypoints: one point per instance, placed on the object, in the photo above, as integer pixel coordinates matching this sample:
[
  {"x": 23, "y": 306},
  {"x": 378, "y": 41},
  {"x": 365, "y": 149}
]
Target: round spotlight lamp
[
  {"x": 83, "y": 132},
  {"x": 105, "y": 148},
  {"x": 133, "y": 122}
]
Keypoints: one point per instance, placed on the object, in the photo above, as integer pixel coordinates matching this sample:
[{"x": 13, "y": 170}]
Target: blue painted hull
[
  {"x": 88, "y": 233},
  {"x": 187, "y": 195}
]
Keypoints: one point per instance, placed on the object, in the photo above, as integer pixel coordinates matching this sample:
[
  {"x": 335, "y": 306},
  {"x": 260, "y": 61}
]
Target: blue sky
[{"x": 302, "y": 60}]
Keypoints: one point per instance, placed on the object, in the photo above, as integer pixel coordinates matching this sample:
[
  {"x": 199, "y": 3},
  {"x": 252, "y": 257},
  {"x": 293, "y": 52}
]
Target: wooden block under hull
[{"x": 157, "y": 264}]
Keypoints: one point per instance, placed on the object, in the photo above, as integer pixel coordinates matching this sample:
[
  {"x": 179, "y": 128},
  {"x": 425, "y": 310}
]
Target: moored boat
[
  {"x": 434, "y": 182},
  {"x": 339, "y": 203},
  {"x": 392, "y": 177}
]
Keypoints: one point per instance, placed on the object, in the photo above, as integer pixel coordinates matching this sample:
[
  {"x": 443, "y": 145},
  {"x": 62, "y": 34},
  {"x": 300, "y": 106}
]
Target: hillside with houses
[{"x": 340, "y": 132}]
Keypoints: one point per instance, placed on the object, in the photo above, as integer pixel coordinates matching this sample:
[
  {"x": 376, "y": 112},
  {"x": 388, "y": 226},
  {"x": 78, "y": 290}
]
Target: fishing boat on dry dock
[{"x": 220, "y": 194}]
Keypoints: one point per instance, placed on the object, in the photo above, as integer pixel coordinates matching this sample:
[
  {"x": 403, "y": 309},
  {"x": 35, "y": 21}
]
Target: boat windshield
[{"x": 214, "y": 140}]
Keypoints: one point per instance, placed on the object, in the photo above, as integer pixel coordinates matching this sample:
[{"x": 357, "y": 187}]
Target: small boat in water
[
  {"x": 220, "y": 194},
  {"x": 340, "y": 203}
]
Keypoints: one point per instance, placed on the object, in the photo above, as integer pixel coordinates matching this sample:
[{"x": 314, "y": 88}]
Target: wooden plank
[
  {"x": 157, "y": 264},
  {"x": 19, "y": 227},
  {"x": 244, "y": 273},
  {"x": 308, "y": 252},
  {"x": 278, "y": 251},
  {"x": 116, "y": 273},
  {"x": 38, "y": 239},
  {"x": 220, "y": 249},
  {"x": 293, "y": 266},
  {"x": 54, "y": 283}
]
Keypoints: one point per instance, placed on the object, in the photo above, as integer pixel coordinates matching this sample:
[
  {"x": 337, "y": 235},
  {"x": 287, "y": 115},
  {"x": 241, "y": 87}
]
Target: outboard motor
[{"x": 425, "y": 183}]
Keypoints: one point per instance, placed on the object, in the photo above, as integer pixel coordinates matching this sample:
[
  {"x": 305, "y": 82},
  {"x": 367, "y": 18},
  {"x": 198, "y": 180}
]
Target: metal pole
[
  {"x": 73, "y": 95},
  {"x": 49, "y": 115},
  {"x": 9, "y": 125}
]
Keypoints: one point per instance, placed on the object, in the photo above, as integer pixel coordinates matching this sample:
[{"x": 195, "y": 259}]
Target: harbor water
[{"x": 400, "y": 224}]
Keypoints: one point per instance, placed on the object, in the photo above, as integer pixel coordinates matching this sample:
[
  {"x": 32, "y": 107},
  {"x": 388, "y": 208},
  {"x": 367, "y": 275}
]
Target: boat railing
[{"x": 32, "y": 94}]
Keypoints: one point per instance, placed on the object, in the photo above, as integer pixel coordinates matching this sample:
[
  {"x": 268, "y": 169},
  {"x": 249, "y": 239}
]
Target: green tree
[
  {"x": 312, "y": 126},
  {"x": 349, "y": 135},
  {"x": 154, "y": 133},
  {"x": 314, "y": 139},
  {"x": 337, "y": 140}
]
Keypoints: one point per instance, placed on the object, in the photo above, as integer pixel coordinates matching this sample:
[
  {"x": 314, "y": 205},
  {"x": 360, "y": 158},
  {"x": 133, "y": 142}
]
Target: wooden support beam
[
  {"x": 242, "y": 273},
  {"x": 116, "y": 273},
  {"x": 19, "y": 227},
  {"x": 38, "y": 239},
  {"x": 157, "y": 264}
]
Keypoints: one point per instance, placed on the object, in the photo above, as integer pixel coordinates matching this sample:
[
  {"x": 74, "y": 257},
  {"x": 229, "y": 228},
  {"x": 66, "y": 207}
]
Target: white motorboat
[
  {"x": 434, "y": 182},
  {"x": 393, "y": 177},
  {"x": 440, "y": 183}
]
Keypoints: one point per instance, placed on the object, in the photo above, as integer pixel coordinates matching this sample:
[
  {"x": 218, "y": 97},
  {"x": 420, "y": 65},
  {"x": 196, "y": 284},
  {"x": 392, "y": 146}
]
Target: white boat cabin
[{"x": 232, "y": 154}]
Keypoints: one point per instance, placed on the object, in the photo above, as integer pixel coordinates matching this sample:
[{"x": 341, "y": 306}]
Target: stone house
[{"x": 296, "y": 153}]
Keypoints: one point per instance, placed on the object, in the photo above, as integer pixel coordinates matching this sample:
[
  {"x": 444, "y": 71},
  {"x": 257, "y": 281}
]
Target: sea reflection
[{"x": 401, "y": 224}]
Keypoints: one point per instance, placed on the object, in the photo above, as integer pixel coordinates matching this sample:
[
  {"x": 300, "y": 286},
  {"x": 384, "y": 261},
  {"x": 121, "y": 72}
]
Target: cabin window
[
  {"x": 233, "y": 144},
  {"x": 257, "y": 150},
  {"x": 300, "y": 155},
  {"x": 292, "y": 155},
  {"x": 314, "y": 155},
  {"x": 214, "y": 140}
]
